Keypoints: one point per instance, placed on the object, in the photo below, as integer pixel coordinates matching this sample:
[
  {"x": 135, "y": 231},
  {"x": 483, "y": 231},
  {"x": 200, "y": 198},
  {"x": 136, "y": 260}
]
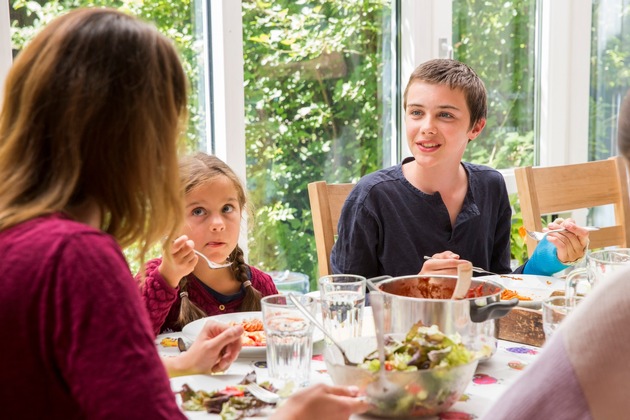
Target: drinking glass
[
  {"x": 289, "y": 339},
  {"x": 600, "y": 265},
  {"x": 342, "y": 301},
  {"x": 554, "y": 310}
]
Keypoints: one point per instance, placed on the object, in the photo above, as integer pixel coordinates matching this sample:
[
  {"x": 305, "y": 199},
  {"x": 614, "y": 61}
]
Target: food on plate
[
  {"x": 508, "y": 294},
  {"x": 254, "y": 339},
  {"x": 422, "y": 348},
  {"x": 253, "y": 334},
  {"x": 252, "y": 325},
  {"x": 169, "y": 342},
  {"x": 231, "y": 402}
]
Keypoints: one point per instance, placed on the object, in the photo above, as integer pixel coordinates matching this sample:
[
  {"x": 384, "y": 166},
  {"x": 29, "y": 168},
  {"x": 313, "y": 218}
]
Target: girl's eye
[
  {"x": 198, "y": 211},
  {"x": 228, "y": 208},
  {"x": 445, "y": 115},
  {"x": 415, "y": 113}
]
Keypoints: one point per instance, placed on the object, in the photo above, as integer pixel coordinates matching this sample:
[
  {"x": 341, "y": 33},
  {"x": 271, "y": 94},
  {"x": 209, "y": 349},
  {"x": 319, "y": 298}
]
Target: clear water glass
[
  {"x": 289, "y": 340},
  {"x": 342, "y": 301},
  {"x": 554, "y": 310}
]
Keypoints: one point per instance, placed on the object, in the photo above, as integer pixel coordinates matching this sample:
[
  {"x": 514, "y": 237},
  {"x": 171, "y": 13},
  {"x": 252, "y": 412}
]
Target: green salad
[
  {"x": 422, "y": 348},
  {"x": 429, "y": 369}
]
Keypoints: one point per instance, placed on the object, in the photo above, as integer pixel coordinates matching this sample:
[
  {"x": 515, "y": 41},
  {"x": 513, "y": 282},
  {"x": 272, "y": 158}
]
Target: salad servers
[
  {"x": 212, "y": 264},
  {"x": 540, "y": 235},
  {"x": 383, "y": 392},
  {"x": 315, "y": 322}
]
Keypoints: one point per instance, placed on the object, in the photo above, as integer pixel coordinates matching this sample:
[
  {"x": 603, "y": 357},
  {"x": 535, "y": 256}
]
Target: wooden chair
[
  {"x": 326, "y": 203},
  {"x": 560, "y": 189}
]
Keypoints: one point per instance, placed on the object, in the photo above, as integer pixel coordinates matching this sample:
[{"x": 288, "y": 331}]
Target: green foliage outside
[
  {"x": 173, "y": 18},
  {"x": 314, "y": 111},
  {"x": 497, "y": 39},
  {"x": 519, "y": 247}
]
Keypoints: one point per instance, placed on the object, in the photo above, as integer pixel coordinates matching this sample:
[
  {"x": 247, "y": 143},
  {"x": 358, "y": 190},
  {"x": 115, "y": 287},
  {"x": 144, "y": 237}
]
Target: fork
[
  {"x": 262, "y": 393},
  {"x": 540, "y": 235},
  {"x": 212, "y": 264}
]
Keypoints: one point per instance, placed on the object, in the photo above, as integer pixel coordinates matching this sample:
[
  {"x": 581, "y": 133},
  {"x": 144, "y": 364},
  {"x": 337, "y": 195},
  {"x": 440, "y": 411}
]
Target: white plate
[
  {"x": 192, "y": 330},
  {"x": 535, "y": 287},
  {"x": 203, "y": 382}
]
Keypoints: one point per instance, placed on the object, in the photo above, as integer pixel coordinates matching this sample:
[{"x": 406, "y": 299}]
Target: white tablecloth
[{"x": 491, "y": 379}]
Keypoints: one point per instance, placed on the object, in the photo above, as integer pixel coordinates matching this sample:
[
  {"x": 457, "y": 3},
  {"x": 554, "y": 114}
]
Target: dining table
[{"x": 492, "y": 377}]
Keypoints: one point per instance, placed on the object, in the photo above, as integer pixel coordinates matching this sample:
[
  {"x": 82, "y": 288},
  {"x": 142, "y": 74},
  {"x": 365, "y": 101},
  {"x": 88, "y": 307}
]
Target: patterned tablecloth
[{"x": 492, "y": 377}]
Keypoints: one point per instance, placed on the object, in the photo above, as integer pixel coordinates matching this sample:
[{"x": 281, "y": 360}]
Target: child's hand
[
  {"x": 571, "y": 244},
  {"x": 442, "y": 263},
  {"x": 183, "y": 261}
]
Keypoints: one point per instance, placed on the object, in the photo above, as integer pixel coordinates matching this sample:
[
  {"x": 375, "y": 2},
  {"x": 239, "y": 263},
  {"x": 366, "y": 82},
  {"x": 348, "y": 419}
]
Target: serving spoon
[
  {"x": 212, "y": 264},
  {"x": 464, "y": 279}
]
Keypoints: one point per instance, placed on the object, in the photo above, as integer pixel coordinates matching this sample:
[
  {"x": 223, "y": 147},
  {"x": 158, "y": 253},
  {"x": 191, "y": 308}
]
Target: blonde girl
[{"x": 184, "y": 288}]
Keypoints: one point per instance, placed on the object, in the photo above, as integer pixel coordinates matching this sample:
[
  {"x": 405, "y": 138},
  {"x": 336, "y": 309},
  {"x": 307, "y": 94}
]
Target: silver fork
[
  {"x": 262, "y": 393},
  {"x": 212, "y": 264},
  {"x": 540, "y": 235}
]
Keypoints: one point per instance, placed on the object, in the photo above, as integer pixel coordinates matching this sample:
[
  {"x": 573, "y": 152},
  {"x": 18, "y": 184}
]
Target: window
[
  {"x": 318, "y": 106},
  {"x": 182, "y": 22},
  {"x": 498, "y": 40},
  {"x": 610, "y": 74}
]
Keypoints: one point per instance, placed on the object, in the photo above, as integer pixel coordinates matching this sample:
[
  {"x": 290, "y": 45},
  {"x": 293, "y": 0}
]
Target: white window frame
[{"x": 6, "y": 56}]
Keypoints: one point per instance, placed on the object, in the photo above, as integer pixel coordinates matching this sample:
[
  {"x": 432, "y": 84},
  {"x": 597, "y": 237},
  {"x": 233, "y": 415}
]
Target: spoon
[
  {"x": 293, "y": 298},
  {"x": 212, "y": 264},
  {"x": 382, "y": 391},
  {"x": 540, "y": 235}
]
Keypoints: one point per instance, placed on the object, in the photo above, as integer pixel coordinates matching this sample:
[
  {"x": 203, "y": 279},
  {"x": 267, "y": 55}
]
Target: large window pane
[
  {"x": 498, "y": 40},
  {"x": 610, "y": 80},
  {"x": 317, "y": 104},
  {"x": 180, "y": 20},
  {"x": 610, "y": 74}
]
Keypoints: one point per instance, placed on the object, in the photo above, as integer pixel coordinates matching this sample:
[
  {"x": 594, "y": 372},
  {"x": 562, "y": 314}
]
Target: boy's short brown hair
[{"x": 456, "y": 75}]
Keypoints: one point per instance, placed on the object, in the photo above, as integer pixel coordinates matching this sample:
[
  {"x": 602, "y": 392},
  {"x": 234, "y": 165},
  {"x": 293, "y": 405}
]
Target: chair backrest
[
  {"x": 560, "y": 189},
  {"x": 326, "y": 203}
]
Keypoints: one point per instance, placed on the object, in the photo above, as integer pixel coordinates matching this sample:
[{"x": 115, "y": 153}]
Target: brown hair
[
  {"x": 93, "y": 108},
  {"x": 456, "y": 75},
  {"x": 196, "y": 170}
]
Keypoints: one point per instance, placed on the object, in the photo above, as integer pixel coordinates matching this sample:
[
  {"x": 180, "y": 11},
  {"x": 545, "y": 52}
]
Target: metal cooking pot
[{"x": 410, "y": 299}]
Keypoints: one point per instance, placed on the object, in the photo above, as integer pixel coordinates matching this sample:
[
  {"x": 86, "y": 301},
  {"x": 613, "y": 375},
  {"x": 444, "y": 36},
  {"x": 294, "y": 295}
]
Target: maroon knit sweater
[
  {"x": 78, "y": 339},
  {"x": 163, "y": 302}
]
